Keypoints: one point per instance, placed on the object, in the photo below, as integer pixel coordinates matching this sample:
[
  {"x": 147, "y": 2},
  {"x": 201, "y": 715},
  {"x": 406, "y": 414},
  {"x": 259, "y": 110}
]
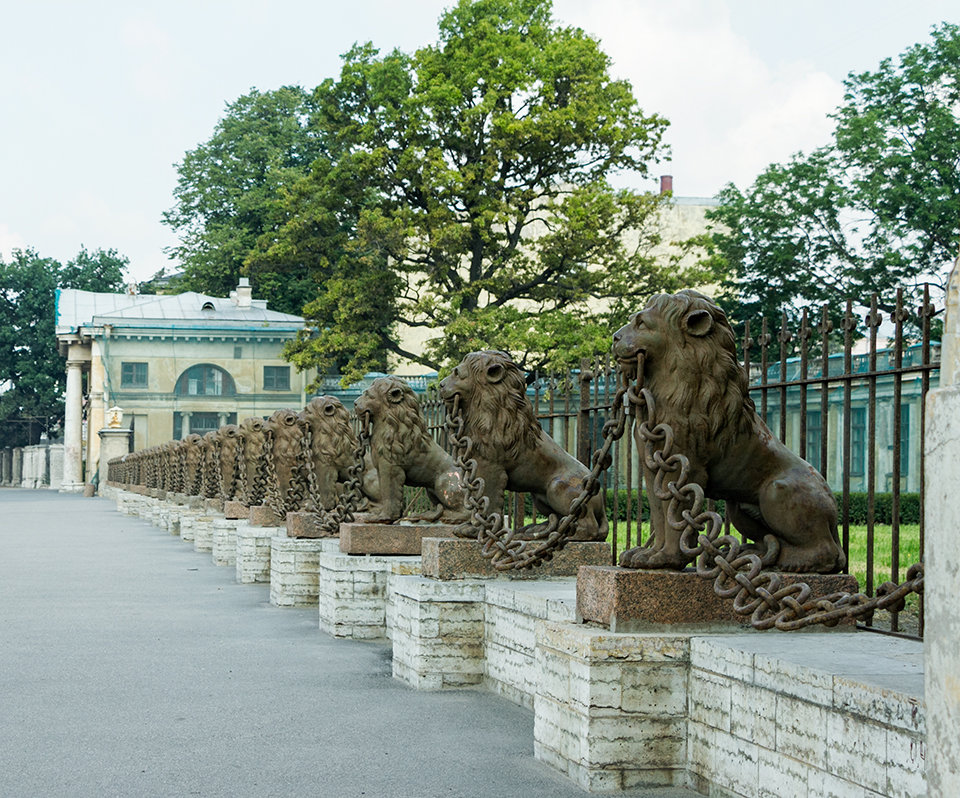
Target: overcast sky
[{"x": 99, "y": 100}]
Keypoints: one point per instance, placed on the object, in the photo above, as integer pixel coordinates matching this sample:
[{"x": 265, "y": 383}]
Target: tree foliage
[
  {"x": 875, "y": 209},
  {"x": 32, "y": 375},
  {"x": 458, "y": 194},
  {"x": 227, "y": 190}
]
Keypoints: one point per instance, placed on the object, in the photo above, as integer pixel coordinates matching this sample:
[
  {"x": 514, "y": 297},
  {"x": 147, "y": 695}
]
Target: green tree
[
  {"x": 875, "y": 209},
  {"x": 227, "y": 190},
  {"x": 32, "y": 377},
  {"x": 465, "y": 194}
]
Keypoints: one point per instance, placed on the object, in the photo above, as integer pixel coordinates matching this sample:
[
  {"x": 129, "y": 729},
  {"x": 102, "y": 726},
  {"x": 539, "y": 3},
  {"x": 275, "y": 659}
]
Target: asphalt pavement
[{"x": 130, "y": 665}]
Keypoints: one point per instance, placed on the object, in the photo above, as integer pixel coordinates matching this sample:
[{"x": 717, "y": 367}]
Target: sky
[{"x": 99, "y": 100}]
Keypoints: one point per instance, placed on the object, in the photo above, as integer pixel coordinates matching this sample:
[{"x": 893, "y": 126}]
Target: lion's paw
[{"x": 645, "y": 557}]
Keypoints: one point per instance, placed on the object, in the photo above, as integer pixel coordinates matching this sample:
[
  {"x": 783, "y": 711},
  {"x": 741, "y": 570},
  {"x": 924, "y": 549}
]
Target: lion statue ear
[
  {"x": 698, "y": 323},
  {"x": 495, "y": 372},
  {"x": 395, "y": 395},
  {"x": 329, "y": 409}
]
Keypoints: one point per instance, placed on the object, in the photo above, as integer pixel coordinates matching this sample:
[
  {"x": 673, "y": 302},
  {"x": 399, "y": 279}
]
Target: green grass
[{"x": 882, "y": 546}]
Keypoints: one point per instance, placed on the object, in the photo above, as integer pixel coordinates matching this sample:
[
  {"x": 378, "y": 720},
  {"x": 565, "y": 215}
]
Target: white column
[
  {"x": 72, "y": 418},
  {"x": 942, "y": 563},
  {"x": 185, "y": 424}
]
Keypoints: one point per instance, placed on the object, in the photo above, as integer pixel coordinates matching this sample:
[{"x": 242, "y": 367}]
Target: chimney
[
  {"x": 666, "y": 184},
  {"x": 244, "y": 293}
]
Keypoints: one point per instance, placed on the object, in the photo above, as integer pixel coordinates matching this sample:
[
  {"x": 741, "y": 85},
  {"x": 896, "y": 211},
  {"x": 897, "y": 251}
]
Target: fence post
[{"x": 583, "y": 417}]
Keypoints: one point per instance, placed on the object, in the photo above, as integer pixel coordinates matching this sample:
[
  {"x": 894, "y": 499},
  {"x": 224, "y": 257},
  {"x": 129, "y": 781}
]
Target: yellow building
[{"x": 175, "y": 364}]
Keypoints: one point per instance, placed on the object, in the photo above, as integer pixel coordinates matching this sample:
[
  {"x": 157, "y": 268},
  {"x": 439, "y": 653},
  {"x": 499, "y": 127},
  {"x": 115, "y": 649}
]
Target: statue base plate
[
  {"x": 400, "y": 539},
  {"x": 462, "y": 558},
  {"x": 304, "y": 525},
  {"x": 261, "y": 515},
  {"x": 235, "y": 510},
  {"x": 213, "y": 505},
  {"x": 627, "y": 600}
]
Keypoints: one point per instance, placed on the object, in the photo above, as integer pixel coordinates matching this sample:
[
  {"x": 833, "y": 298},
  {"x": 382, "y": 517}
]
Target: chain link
[{"x": 351, "y": 496}]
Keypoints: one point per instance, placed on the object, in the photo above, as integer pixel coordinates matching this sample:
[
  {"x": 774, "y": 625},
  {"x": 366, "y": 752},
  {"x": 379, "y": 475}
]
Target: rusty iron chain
[
  {"x": 350, "y": 497},
  {"x": 501, "y": 545}
]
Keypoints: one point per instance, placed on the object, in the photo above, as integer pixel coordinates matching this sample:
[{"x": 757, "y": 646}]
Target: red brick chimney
[{"x": 666, "y": 184}]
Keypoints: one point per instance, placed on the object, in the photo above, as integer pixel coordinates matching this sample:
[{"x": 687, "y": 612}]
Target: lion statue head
[
  {"x": 332, "y": 439},
  {"x": 493, "y": 397},
  {"x": 399, "y": 431},
  {"x": 690, "y": 361}
]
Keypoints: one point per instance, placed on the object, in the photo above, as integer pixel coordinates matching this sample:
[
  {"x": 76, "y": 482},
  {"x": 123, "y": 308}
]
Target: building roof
[{"x": 76, "y": 309}]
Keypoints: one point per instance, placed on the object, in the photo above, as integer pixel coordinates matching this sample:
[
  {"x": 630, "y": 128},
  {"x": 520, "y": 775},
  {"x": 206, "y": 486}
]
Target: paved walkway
[{"x": 132, "y": 666}]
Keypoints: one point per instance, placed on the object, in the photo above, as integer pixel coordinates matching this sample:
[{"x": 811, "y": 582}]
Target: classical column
[
  {"x": 72, "y": 418},
  {"x": 941, "y": 559},
  {"x": 185, "y": 424}
]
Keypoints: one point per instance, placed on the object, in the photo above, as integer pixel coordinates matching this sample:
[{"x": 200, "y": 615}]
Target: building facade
[{"x": 175, "y": 364}]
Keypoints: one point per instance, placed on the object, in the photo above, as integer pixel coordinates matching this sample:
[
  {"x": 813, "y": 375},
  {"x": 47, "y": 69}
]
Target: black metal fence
[{"x": 856, "y": 414}]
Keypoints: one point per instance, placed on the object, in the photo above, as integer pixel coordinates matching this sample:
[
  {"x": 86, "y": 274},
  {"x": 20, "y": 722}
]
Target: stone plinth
[
  {"x": 305, "y": 525},
  {"x": 224, "y": 549},
  {"x": 512, "y": 611},
  {"x": 187, "y": 519},
  {"x": 352, "y": 592},
  {"x": 213, "y": 505},
  {"x": 114, "y": 442},
  {"x": 294, "y": 570},
  {"x": 405, "y": 539},
  {"x": 610, "y": 710},
  {"x": 437, "y": 632},
  {"x": 263, "y": 516},
  {"x": 253, "y": 552},
  {"x": 203, "y": 533},
  {"x": 235, "y": 510},
  {"x": 459, "y": 558},
  {"x": 626, "y": 600}
]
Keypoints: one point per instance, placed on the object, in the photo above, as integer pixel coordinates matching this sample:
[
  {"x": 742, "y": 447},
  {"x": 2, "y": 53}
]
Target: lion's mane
[
  {"x": 331, "y": 436},
  {"x": 399, "y": 432},
  {"x": 700, "y": 386},
  {"x": 500, "y": 420}
]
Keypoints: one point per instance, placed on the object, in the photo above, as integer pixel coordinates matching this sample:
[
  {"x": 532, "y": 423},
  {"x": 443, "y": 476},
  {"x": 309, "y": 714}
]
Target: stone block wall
[
  {"x": 764, "y": 724},
  {"x": 253, "y": 552},
  {"x": 295, "y": 570},
  {"x": 437, "y": 632},
  {"x": 512, "y": 612},
  {"x": 610, "y": 710},
  {"x": 353, "y": 597}
]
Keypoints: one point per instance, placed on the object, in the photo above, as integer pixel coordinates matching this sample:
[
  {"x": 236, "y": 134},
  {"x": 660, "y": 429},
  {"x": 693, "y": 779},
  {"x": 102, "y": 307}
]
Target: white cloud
[
  {"x": 9, "y": 241},
  {"x": 730, "y": 113}
]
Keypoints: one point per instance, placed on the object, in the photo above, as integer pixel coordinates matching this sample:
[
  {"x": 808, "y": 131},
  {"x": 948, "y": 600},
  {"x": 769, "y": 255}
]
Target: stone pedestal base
[
  {"x": 405, "y": 539},
  {"x": 253, "y": 552},
  {"x": 458, "y": 558},
  {"x": 610, "y": 711},
  {"x": 235, "y": 510},
  {"x": 203, "y": 533},
  {"x": 353, "y": 596},
  {"x": 626, "y": 600},
  {"x": 437, "y": 632},
  {"x": 304, "y": 525},
  {"x": 187, "y": 519},
  {"x": 263, "y": 516},
  {"x": 225, "y": 540},
  {"x": 294, "y": 571}
]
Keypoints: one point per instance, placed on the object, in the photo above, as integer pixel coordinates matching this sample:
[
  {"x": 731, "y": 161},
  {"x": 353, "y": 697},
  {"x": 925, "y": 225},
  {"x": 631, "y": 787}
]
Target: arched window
[{"x": 205, "y": 380}]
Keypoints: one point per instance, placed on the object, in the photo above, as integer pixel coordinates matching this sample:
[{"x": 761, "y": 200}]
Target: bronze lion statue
[
  {"x": 511, "y": 449},
  {"x": 701, "y": 391},
  {"x": 252, "y": 465},
  {"x": 402, "y": 452},
  {"x": 332, "y": 447}
]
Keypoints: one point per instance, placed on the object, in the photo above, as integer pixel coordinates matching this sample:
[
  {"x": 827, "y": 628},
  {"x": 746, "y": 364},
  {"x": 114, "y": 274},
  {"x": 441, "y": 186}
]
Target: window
[
  {"x": 237, "y": 352},
  {"x": 276, "y": 378},
  {"x": 133, "y": 375},
  {"x": 858, "y": 440},
  {"x": 200, "y": 423},
  {"x": 205, "y": 380},
  {"x": 814, "y": 436}
]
